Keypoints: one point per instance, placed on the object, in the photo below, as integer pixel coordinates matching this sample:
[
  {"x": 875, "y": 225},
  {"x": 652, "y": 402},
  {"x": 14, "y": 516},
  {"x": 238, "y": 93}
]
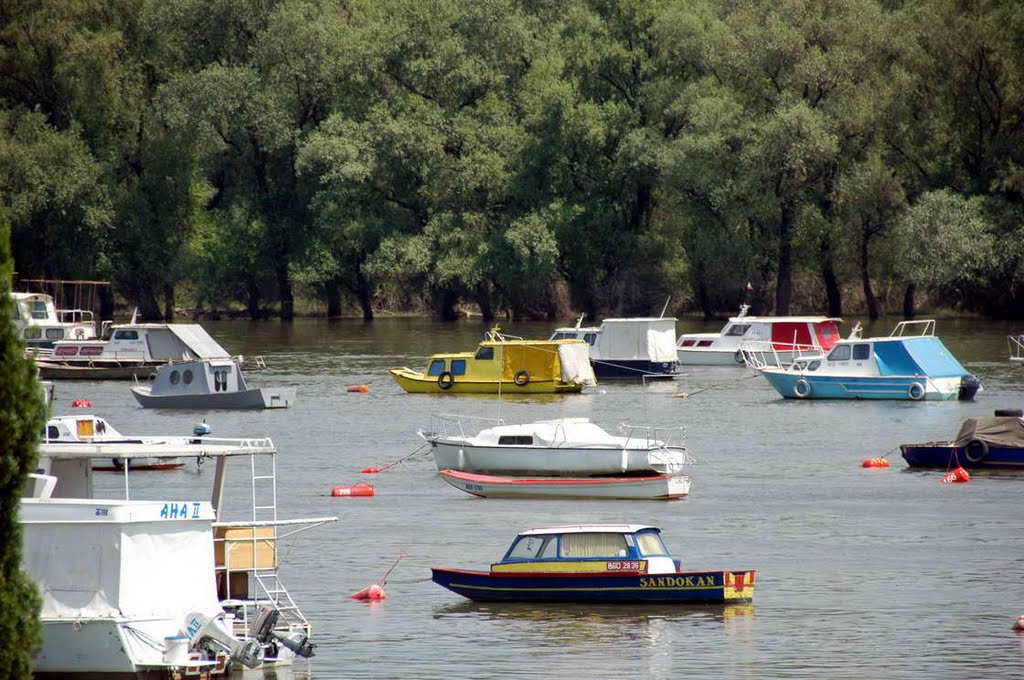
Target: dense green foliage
[
  {"x": 22, "y": 418},
  {"x": 840, "y": 154}
]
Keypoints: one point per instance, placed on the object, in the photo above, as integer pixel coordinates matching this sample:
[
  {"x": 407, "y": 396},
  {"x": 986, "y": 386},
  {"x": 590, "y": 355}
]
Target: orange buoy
[
  {"x": 876, "y": 463},
  {"x": 1018, "y": 625},
  {"x": 957, "y": 476},
  {"x": 354, "y": 490},
  {"x": 357, "y": 388},
  {"x": 81, "y": 403},
  {"x": 370, "y": 470},
  {"x": 372, "y": 593}
]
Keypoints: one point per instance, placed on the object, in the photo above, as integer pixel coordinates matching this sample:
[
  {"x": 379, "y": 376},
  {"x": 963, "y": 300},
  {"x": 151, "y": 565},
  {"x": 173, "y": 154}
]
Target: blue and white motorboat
[
  {"x": 628, "y": 349},
  {"x": 983, "y": 442},
  {"x": 909, "y": 364}
]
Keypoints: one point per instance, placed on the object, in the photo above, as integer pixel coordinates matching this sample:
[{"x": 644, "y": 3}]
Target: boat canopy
[
  {"x": 646, "y": 339},
  {"x": 575, "y": 360},
  {"x": 1007, "y": 431},
  {"x": 198, "y": 340},
  {"x": 916, "y": 356}
]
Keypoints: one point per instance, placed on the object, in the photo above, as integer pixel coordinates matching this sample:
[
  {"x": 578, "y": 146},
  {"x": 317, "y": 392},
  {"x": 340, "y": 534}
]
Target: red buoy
[
  {"x": 957, "y": 476},
  {"x": 81, "y": 403},
  {"x": 1018, "y": 625},
  {"x": 357, "y": 388},
  {"x": 355, "y": 490},
  {"x": 370, "y": 470},
  {"x": 372, "y": 593},
  {"x": 876, "y": 463}
]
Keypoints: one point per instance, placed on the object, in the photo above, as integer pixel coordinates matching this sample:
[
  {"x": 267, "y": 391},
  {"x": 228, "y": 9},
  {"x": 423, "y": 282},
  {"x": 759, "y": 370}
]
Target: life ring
[
  {"x": 802, "y": 388},
  {"x": 738, "y": 357},
  {"x": 521, "y": 378},
  {"x": 975, "y": 450},
  {"x": 445, "y": 380},
  {"x": 916, "y": 391}
]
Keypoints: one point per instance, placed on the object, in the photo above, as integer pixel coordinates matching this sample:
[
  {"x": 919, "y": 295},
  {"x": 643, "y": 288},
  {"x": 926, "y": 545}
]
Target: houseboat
[
  {"x": 40, "y": 324},
  {"x": 634, "y": 348},
  {"x": 504, "y": 364}
]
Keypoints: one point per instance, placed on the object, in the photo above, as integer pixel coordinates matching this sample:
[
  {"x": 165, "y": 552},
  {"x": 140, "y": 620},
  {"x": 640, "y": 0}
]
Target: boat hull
[
  {"x": 904, "y": 388},
  {"x": 625, "y": 369},
  {"x": 261, "y": 398},
  {"x": 703, "y": 587},
  {"x": 658, "y": 487},
  {"x": 710, "y": 357},
  {"x": 98, "y": 370},
  {"x": 551, "y": 461},
  {"x": 418, "y": 383},
  {"x": 948, "y": 455}
]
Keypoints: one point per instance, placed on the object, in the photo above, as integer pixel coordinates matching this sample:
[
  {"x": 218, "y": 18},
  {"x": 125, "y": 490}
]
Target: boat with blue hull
[
  {"x": 995, "y": 442},
  {"x": 909, "y": 364},
  {"x": 615, "y": 563}
]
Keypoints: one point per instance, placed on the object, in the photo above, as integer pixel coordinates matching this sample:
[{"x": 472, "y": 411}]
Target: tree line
[{"x": 841, "y": 155}]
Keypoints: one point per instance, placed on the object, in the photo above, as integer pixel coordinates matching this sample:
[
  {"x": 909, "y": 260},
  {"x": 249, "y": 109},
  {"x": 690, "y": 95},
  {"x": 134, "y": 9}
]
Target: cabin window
[
  {"x": 533, "y": 547},
  {"x": 436, "y": 367},
  {"x": 861, "y": 352},
  {"x": 738, "y": 329},
  {"x": 594, "y": 545},
  {"x": 93, "y": 351},
  {"x": 515, "y": 440},
  {"x": 839, "y": 353},
  {"x": 485, "y": 353},
  {"x": 187, "y": 376},
  {"x": 458, "y": 367},
  {"x": 591, "y": 338},
  {"x": 650, "y": 544},
  {"x": 563, "y": 336},
  {"x": 126, "y": 335},
  {"x": 52, "y": 432},
  {"x": 220, "y": 381},
  {"x": 54, "y": 333},
  {"x": 814, "y": 365},
  {"x": 704, "y": 343},
  {"x": 689, "y": 343},
  {"x": 38, "y": 309},
  {"x": 33, "y": 333},
  {"x": 68, "y": 351},
  {"x": 175, "y": 377}
]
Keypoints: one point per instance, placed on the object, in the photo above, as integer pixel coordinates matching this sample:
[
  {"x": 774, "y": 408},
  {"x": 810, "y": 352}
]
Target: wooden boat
[
  {"x": 563, "y": 447},
  {"x": 789, "y": 336},
  {"x": 626, "y": 563},
  {"x": 654, "y": 487},
  {"x": 628, "y": 349},
  {"x": 909, "y": 364},
  {"x": 982, "y": 442},
  {"x": 208, "y": 384},
  {"x": 503, "y": 364}
]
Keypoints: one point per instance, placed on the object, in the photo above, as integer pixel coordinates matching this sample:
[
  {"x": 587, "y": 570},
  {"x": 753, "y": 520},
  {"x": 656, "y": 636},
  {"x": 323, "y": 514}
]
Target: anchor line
[
  {"x": 422, "y": 448},
  {"x": 718, "y": 384}
]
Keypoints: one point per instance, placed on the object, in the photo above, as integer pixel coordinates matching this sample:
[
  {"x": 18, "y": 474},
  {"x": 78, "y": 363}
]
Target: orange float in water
[
  {"x": 81, "y": 403},
  {"x": 355, "y": 490},
  {"x": 957, "y": 476},
  {"x": 1018, "y": 625},
  {"x": 876, "y": 463},
  {"x": 370, "y": 470},
  {"x": 357, "y": 388},
  {"x": 372, "y": 593}
]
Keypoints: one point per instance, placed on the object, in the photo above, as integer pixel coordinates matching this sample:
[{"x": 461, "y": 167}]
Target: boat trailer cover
[{"x": 1006, "y": 431}]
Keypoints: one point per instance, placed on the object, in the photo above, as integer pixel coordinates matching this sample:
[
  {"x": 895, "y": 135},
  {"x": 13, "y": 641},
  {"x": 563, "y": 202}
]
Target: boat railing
[
  {"x": 761, "y": 354},
  {"x": 1016, "y": 345},
  {"x": 450, "y": 424},
  {"x": 914, "y": 328},
  {"x": 651, "y": 435}
]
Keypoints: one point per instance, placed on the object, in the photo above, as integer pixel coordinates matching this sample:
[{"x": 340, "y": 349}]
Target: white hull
[
  {"x": 453, "y": 454},
  {"x": 709, "y": 357},
  {"x": 662, "y": 487}
]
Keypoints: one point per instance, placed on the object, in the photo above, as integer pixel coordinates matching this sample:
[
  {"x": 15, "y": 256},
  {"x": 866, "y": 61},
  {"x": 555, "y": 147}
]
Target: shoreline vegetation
[{"x": 520, "y": 159}]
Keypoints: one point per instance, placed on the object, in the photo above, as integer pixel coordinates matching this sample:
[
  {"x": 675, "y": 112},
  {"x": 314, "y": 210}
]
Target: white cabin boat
[
  {"x": 654, "y": 487},
  {"x": 40, "y": 324},
  {"x": 208, "y": 384},
  {"x": 628, "y": 348},
  {"x": 787, "y": 336},
  {"x": 567, "y": 447},
  {"x": 132, "y": 350},
  {"x": 159, "y": 588}
]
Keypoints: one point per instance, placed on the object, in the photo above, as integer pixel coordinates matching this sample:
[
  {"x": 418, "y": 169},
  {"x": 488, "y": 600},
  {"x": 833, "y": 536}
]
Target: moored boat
[
  {"x": 629, "y": 349},
  {"x": 982, "y": 442},
  {"x": 788, "y": 336},
  {"x": 655, "y": 487},
  {"x": 106, "y": 442},
  {"x": 561, "y": 447},
  {"x": 910, "y": 364},
  {"x": 504, "y": 364},
  {"x": 40, "y": 324},
  {"x": 208, "y": 384},
  {"x": 626, "y": 563}
]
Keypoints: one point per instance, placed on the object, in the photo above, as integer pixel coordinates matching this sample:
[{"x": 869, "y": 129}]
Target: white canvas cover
[
  {"x": 167, "y": 570},
  {"x": 76, "y": 566},
  {"x": 574, "y": 358},
  {"x": 637, "y": 339}
]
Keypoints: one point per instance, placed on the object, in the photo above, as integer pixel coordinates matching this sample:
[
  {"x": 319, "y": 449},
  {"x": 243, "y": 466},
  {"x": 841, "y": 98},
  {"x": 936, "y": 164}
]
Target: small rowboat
[
  {"x": 655, "y": 487},
  {"x": 595, "y": 563}
]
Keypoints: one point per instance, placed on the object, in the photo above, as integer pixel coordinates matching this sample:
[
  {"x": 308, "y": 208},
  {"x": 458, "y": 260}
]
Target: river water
[{"x": 861, "y": 573}]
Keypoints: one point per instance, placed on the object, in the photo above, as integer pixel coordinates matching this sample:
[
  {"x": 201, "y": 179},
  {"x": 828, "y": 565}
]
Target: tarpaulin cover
[
  {"x": 540, "y": 360},
  {"x": 637, "y": 339},
  {"x": 1005, "y": 431},
  {"x": 576, "y": 368},
  {"x": 917, "y": 356}
]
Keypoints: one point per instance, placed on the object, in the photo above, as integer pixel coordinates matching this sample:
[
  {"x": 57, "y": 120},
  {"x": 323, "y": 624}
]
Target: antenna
[{"x": 663, "y": 309}]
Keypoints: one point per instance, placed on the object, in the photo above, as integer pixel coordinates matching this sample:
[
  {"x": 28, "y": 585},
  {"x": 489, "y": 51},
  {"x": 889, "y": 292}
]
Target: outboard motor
[
  {"x": 297, "y": 641},
  {"x": 214, "y": 633},
  {"x": 969, "y": 386}
]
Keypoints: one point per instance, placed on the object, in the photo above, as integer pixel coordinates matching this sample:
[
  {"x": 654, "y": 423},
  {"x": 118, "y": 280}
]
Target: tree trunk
[
  {"x": 908, "y": 301},
  {"x": 332, "y": 291},
  {"x": 365, "y": 293},
  {"x": 705, "y": 300},
  {"x": 865, "y": 276},
  {"x": 252, "y": 302},
  {"x": 784, "y": 281},
  {"x": 168, "y": 302},
  {"x": 483, "y": 299},
  {"x": 828, "y": 274},
  {"x": 444, "y": 304},
  {"x": 284, "y": 287}
]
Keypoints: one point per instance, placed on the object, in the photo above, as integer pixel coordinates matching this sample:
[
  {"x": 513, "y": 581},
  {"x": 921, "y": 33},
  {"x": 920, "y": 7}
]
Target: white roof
[
  {"x": 783, "y": 319},
  {"x": 588, "y": 529}
]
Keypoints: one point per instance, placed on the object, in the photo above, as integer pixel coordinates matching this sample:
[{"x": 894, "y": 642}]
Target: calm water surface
[{"x": 861, "y": 573}]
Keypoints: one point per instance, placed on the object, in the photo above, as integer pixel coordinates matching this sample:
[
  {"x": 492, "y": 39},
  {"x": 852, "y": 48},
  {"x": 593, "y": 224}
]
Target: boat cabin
[
  {"x": 41, "y": 324},
  {"x": 628, "y": 348},
  {"x": 144, "y": 342},
  {"x": 589, "y": 548}
]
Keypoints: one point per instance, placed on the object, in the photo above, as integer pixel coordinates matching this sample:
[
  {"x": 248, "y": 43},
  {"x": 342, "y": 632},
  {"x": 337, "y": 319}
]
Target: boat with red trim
[
  {"x": 651, "y": 487},
  {"x": 984, "y": 442},
  {"x": 626, "y": 563}
]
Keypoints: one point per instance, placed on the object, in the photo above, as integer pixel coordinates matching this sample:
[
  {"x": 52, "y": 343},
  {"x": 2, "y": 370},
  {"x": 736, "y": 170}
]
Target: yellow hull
[{"x": 418, "y": 383}]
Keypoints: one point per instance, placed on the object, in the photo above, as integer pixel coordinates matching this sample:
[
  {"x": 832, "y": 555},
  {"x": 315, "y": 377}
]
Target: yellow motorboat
[{"x": 507, "y": 365}]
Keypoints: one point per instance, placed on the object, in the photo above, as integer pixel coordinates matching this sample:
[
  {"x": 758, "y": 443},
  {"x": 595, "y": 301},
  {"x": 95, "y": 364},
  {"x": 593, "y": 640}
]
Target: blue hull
[
  {"x": 842, "y": 387},
  {"x": 948, "y": 455},
  {"x": 684, "y": 587},
  {"x": 624, "y": 369}
]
